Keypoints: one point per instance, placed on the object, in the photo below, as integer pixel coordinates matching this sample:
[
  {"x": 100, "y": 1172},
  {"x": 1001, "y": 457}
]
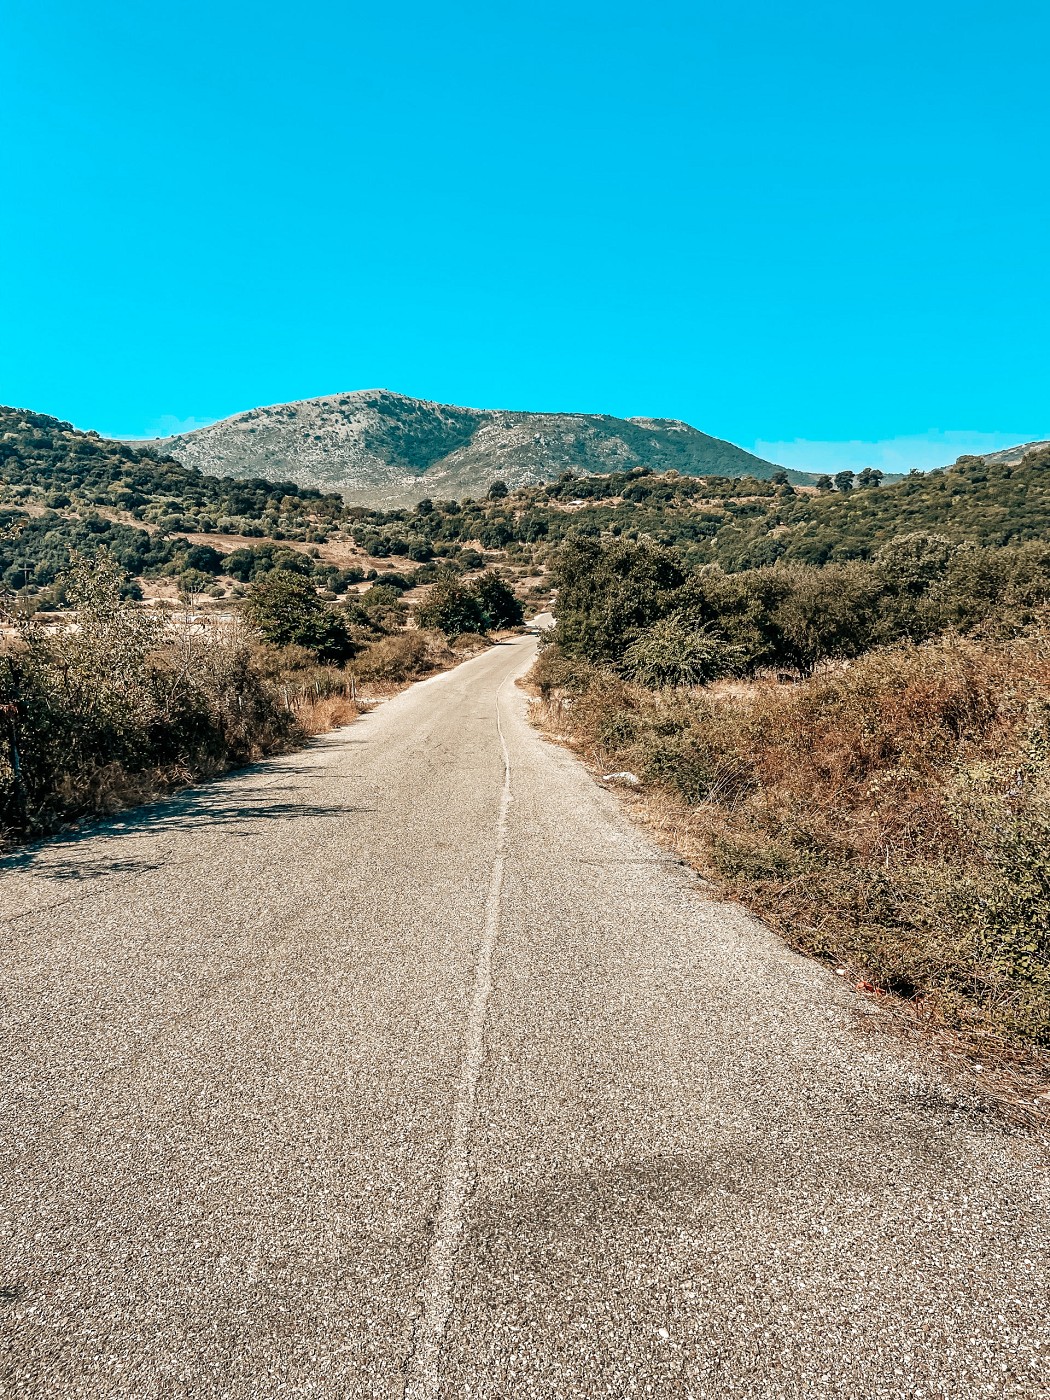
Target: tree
[
  {"x": 498, "y": 490},
  {"x": 608, "y": 594},
  {"x": 821, "y": 613},
  {"x": 912, "y": 563},
  {"x": 453, "y": 608},
  {"x": 285, "y": 608},
  {"x": 497, "y": 601},
  {"x": 823, "y": 483},
  {"x": 844, "y": 481},
  {"x": 191, "y": 584},
  {"x": 204, "y": 559}
]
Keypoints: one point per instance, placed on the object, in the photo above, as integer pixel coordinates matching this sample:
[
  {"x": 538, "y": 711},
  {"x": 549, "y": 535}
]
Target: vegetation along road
[{"x": 406, "y": 1066}]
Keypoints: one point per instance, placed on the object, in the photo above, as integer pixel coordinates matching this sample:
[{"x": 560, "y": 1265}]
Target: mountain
[
  {"x": 64, "y": 490},
  {"x": 1012, "y": 456},
  {"x": 381, "y": 448}
]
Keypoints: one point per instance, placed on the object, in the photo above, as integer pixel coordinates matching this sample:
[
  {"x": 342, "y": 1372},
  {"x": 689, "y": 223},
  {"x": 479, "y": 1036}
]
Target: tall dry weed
[{"x": 117, "y": 707}]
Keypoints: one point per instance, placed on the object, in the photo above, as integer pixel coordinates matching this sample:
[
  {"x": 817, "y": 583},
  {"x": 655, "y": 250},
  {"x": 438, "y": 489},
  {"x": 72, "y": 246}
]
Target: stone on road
[{"x": 364, "y": 1073}]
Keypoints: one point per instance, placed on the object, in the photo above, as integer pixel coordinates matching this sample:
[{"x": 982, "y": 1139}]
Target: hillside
[
  {"x": 980, "y": 501},
  {"x": 1011, "y": 456},
  {"x": 48, "y": 462},
  {"x": 379, "y": 448},
  {"x": 63, "y": 490},
  {"x": 1002, "y": 499},
  {"x": 738, "y": 524}
]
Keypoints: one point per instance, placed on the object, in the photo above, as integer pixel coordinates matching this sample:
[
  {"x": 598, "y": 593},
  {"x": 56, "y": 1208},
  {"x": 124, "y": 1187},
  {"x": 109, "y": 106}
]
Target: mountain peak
[{"x": 377, "y": 446}]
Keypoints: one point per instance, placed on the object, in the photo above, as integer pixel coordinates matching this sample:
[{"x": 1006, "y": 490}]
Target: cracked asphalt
[{"x": 236, "y": 1038}]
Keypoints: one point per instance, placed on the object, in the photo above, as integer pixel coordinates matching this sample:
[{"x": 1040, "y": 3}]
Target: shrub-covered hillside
[
  {"x": 63, "y": 489},
  {"x": 48, "y": 462},
  {"x": 739, "y": 523},
  {"x": 745, "y": 523}
]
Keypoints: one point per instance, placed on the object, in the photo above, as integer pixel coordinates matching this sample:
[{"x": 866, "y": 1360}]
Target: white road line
[{"x": 423, "y": 1377}]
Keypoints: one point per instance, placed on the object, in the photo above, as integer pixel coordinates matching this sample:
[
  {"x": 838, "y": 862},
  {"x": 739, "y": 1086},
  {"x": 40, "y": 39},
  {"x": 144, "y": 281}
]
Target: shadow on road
[{"x": 224, "y": 802}]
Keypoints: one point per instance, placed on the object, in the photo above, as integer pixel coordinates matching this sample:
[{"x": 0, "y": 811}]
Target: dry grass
[
  {"x": 319, "y": 716},
  {"x": 322, "y": 698},
  {"x": 892, "y": 818},
  {"x": 402, "y": 657}
]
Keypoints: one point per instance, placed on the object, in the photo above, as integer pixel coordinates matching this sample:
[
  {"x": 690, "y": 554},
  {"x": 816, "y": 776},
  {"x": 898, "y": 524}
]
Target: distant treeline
[
  {"x": 643, "y": 609},
  {"x": 739, "y": 524}
]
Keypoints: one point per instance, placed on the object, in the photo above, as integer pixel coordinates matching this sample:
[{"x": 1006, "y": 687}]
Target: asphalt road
[{"x": 405, "y": 1066}]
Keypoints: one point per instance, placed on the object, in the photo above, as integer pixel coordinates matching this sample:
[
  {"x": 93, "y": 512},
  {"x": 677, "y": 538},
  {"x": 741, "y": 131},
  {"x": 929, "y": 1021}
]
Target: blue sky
[{"x": 819, "y": 229}]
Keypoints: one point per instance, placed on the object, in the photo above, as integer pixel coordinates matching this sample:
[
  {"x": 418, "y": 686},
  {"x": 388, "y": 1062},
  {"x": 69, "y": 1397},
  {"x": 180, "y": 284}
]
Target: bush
[
  {"x": 396, "y": 659},
  {"x": 284, "y": 607},
  {"x": 556, "y": 673},
  {"x": 467, "y": 643},
  {"x": 607, "y": 595},
  {"x": 452, "y": 607},
  {"x": 497, "y": 600},
  {"x": 673, "y": 653},
  {"x": 394, "y": 581},
  {"x": 380, "y": 595},
  {"x": 789, "y": 616},
  {"x": 122, "y": 707}
]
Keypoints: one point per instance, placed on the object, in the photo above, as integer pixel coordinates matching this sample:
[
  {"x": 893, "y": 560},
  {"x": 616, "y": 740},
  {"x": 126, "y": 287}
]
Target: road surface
[{"x": 405, "y": 1066}]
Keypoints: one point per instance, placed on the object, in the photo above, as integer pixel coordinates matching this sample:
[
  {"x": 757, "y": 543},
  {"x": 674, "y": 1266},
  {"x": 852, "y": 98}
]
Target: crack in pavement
[{"x": 423, "y": 1365}]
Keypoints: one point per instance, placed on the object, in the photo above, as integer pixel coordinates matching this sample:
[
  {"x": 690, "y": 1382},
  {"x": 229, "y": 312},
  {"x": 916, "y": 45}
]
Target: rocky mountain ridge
[
  {"x": 1013, "y": 456},
  {"x": 382, "y": 448}
]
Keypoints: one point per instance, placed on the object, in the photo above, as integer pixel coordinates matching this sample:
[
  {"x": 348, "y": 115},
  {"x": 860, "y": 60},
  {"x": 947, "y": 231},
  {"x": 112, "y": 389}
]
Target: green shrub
[
  {"x": 674, "y": 653},
  {"x": 452, "y": 607},
  {"x": 283, "y": 605},
  {"x": 498, "y": 603},
  {"x": 122, "y": 706},
  {"x": 380, "y": 595}
]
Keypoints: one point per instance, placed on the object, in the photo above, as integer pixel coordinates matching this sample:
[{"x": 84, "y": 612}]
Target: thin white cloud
[{"x": 900, "y": 454}]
